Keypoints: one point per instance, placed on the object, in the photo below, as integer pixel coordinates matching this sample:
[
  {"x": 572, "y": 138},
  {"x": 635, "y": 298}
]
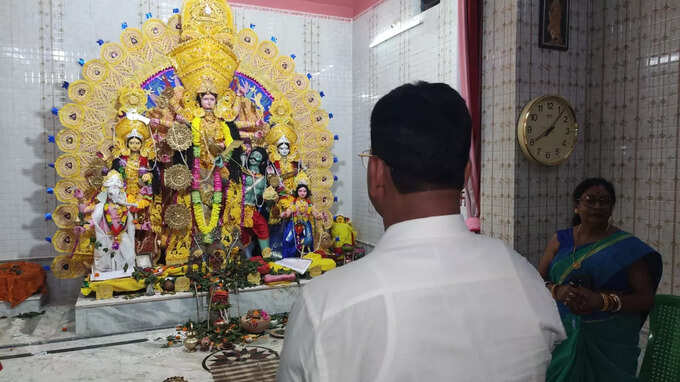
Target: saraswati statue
[{"x": 186, "y": 133}]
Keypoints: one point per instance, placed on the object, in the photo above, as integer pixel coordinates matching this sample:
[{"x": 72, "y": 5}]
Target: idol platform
[{"x": 121, "y": 315}]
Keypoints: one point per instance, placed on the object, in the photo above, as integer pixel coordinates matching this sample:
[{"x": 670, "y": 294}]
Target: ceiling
[
  {"x": 339, "y": 8},
  {"x": 342, "y": 3}
]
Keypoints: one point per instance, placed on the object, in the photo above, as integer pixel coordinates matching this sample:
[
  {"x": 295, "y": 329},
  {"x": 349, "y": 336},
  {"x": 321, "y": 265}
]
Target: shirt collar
[{"x": 431, "y": 226}]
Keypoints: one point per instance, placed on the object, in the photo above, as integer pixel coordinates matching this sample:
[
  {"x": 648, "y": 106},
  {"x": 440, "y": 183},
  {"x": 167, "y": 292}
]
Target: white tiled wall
[
  {"x": 40, "y": 43},
  {"x": 542, "y": 194},
  {"x": 621, "y": 75},
  {"x": 633, "y": 134},
  {"x": 26, "y": 95},
  {"x": 427, "y": 52}
]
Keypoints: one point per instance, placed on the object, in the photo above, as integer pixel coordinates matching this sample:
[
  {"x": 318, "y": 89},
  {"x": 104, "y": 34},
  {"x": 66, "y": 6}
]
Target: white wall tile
[{"x": 427, "y": 52}]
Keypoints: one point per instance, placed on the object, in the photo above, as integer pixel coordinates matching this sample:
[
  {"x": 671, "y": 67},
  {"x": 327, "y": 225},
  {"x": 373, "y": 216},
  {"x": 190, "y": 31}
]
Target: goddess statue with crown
[
  {"x": 134, "y": 155},
  {"x": 203, "y": 131},
  {"x": 298, "y": 232},
  {"x": 282, "y": 147}
]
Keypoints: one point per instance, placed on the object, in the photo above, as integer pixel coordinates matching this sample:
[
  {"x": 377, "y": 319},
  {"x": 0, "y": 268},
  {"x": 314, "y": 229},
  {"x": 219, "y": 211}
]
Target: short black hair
[
  {"x": 585, "y": 185},
  {"x": 422, "y": 132}
]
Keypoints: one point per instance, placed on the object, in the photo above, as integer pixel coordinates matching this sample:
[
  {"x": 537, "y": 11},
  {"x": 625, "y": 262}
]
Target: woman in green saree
[{"x": 603, "y": 280}]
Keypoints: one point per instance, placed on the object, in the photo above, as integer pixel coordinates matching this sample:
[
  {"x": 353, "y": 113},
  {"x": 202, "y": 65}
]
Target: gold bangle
[
  {"x": 618, "y": 302},
  {"x": 553, "y": 291},
  {"x": 605, "y": 302}
]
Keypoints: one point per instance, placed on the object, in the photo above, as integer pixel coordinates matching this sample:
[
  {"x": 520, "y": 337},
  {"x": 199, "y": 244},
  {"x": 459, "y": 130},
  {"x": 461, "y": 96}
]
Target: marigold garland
[
  {"x": 214, "y": 214},
  {"x": 204, "y": 228}
]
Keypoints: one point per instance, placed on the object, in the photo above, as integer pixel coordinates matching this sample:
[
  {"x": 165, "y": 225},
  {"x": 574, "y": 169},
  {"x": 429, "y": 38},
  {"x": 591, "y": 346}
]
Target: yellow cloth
[
  {"x": 342, "y": 233},
  {"x": 129, "y": 284},
  {"x": 276, "y": 267},
  {"x": 325, "y": 264}
]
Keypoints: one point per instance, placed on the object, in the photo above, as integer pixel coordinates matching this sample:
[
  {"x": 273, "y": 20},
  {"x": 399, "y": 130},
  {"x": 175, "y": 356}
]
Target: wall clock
[{"x": 547, "y": 130}]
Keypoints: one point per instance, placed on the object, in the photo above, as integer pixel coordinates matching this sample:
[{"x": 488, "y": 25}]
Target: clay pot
[{"x": 205, "y": 343}]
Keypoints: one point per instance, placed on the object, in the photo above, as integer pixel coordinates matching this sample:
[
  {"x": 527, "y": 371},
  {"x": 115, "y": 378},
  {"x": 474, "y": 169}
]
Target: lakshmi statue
[
  {"x": 113, "y": 224},
  {"x": 283, "y": 154},
  {"x": 135, "y": 170},
  {"x": 281, "y": 141},
  {"x": 134, "y": 154},
  {"x": 298, "y": 232}
]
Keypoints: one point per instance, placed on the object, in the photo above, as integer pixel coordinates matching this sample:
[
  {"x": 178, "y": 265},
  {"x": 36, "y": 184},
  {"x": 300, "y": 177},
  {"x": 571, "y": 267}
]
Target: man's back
[{"x": 431, "y": 302}]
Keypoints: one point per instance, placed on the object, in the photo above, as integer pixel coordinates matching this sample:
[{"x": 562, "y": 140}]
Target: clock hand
[
  {"x": 545, "y": 133},
  {"x": 551, "y": 128}
]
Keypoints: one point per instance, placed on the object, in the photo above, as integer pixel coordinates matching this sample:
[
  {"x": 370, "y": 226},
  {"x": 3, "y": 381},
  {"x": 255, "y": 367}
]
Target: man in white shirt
[{"x": 432, "y": 301}]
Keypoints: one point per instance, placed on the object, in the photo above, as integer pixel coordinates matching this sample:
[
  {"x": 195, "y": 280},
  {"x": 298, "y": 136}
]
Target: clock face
[{"x": 547, "y": 130}]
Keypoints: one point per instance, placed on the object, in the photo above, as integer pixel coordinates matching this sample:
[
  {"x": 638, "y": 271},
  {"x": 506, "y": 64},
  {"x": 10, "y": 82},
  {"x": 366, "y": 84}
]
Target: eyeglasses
[
  {"x": 592, "y": 201},
  {"x": 365, "y": 156}
]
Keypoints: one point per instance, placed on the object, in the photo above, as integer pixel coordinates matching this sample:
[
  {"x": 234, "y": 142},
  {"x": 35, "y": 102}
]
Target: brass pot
[{"x": 190, "y": 343}]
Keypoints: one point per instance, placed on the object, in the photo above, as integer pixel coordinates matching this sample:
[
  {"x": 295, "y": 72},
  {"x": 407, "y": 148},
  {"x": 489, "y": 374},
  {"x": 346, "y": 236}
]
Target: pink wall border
[
  {"x": 311, "y": 7},
  {"x": 361, "y": 6}
]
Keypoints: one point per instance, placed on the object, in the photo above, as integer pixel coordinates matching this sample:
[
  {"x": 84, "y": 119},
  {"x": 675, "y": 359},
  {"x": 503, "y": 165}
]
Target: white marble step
[
  {"x": 119, "y": 315},
  {"x": 31, "y": 304}
]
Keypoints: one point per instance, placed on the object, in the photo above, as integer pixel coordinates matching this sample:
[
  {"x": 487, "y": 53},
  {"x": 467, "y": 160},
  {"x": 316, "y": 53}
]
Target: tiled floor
[
  {"x": 57, "y": 323},
  {"x": 131, "y": 361},
  {"x": 144, "y": 360}
]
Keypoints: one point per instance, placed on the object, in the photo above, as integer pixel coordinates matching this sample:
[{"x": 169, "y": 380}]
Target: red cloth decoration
[
  {"x": 470, "y": 63},
  {"x": 221, "y": 297},
  {"x": 260, "y": 229},
  {"x": 20, "y": 280}
]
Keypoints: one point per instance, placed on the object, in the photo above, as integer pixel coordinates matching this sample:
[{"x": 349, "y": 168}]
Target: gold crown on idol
[
  {"x": 204, "y": 60},
  {"x": 281, "y": 133},
  {"x": 204, "y": 63},
  {"x": 207, "y": 18},
  {"x": 126, "y": 129},
  {"x": 207, "y": 85},
  {"x": 302, "y": 178},
  {"x": 278, "y": 134},
  {"x": 131, "y": 100}
]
